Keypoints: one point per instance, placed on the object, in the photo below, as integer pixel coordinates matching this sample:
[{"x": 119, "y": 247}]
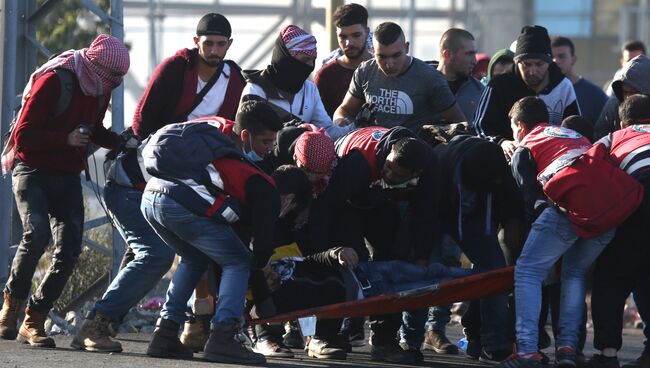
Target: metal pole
[
  {"x": 412, "y": 26},
  {"x": 330, "y": 27},
  {"x": 152, "y": 37},
  {"x": 10, "y": 25},
  {"x": 117, "y": 112}
]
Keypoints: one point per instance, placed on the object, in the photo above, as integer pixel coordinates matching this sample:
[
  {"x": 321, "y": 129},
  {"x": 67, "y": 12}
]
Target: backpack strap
[{"x": 65, "y": 95}]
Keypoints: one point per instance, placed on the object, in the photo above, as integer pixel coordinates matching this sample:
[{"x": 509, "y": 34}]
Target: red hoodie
[{"x": 172, "y": 89}]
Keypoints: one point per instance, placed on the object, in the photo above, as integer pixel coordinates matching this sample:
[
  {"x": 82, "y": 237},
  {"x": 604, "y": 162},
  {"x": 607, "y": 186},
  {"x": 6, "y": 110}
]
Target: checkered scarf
[
  {"x": 99, "y": 67},
  {"x": 298, "y": 41},
  {"x": 315, "y": 152}
]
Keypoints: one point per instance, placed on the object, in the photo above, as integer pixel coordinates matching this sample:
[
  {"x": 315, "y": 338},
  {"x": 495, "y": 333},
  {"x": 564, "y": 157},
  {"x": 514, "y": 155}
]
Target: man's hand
[
  {"x": 348, "y": 257},
  {"x": 342, "y": 121},
  {"x": 77, "y": 137},
  {"x": 508, "y": 148}
]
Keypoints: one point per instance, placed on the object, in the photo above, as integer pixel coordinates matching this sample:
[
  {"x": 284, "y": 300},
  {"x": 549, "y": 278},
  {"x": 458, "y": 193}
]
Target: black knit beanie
[{"x": 533, "y": 43}]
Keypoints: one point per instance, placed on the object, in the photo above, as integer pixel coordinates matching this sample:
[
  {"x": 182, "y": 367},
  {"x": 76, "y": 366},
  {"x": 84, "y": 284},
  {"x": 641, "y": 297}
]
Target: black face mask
[{"x": 286, "y": 72}]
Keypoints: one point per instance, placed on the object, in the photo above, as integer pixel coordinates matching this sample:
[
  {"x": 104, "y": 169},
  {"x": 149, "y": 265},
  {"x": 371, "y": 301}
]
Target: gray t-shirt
[{"x": 411, "y": 99}]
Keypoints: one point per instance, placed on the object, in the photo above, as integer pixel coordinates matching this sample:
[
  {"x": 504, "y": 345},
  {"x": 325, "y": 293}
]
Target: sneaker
[
  {"x": 494, "y": 357},
  {"x": 641, "y": 362},
  {"x": 438, "y": 342},
  {"x": 601, "y": 361},
  {"x": 533, "y": 360},
  {"x": 293, "y": 338},
  {"x": 565, "y": 357},
  {"x": 356, "y": 334},
  {"x": 325, "y": 349},
  {"x": 390, "y": 353},
  {"x": 272, "y": 349}
]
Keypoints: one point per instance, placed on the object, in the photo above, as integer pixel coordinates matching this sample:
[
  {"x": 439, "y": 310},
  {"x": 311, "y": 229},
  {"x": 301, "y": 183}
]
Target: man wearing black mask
[{"x": 284, "y": 84}]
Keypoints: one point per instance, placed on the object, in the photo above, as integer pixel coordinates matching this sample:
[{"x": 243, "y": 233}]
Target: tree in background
[{"x": 70, "y": 26}]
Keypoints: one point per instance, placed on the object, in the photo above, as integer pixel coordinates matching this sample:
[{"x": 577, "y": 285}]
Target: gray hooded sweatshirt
[{"x": 635, "y": 73}]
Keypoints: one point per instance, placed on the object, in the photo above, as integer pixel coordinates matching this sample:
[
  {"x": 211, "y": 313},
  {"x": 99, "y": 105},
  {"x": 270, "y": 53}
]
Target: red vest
[
  {"x": 223, "y": 124},
  {"x": 548, "y": 143},
  {"x": 234, "y": 174},
  {"x": 629, "y": 142},
  {"x": 365, "y": 141}
]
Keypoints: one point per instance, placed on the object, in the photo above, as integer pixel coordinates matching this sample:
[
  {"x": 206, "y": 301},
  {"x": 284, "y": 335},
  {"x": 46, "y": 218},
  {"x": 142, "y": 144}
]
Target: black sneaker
[
  {"x": 516, "y": 361},
  {"x": 565, "y": 357},
  {"x": 601, "y": 361},
  {"x": 495, "y": 356}
]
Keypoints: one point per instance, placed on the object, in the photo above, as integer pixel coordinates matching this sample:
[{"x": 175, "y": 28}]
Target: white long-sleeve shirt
[{"x": 307, "y": 106}]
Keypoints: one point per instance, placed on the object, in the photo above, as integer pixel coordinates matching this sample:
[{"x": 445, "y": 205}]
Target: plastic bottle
[{"x": 462, "y": 344}]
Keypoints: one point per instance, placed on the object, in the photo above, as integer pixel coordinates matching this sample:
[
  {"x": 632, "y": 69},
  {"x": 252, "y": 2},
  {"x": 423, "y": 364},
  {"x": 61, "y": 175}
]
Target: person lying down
[{"x": 294, "y": 282}]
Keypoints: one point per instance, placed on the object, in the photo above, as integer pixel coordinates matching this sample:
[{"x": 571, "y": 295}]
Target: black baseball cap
[{"x": 213, "y": 24}]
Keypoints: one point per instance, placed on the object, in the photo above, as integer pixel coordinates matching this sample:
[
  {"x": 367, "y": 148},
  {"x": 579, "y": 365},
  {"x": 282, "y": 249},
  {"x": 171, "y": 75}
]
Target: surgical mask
[{"x": 252, "y": 155}]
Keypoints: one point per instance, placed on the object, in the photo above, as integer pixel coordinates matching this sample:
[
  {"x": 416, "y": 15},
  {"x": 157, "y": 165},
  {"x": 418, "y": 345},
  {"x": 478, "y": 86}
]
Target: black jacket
[
  {"x": 351, "y": 185},
  {"x": 491, "y": 119},
  {"x": 507, "y": 201}
]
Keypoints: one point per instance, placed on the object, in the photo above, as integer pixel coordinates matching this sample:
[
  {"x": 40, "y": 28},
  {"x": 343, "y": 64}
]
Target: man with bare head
[{"x": 352, "y": 31}]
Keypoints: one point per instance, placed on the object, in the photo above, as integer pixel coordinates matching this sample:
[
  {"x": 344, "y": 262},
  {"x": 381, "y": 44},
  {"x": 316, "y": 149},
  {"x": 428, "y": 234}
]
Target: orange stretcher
[{"x": 464, "y": 288}]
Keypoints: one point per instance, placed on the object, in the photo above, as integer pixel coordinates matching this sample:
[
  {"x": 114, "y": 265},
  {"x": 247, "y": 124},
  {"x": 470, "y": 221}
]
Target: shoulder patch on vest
[
  {"x": 559, "y": 132},
  {"x": 377, "y": 134},
  {"x": 641, "y": 128}
]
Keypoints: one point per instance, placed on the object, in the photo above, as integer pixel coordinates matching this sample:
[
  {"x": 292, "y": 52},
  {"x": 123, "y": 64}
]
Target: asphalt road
[{"x": 13, "y": 355}]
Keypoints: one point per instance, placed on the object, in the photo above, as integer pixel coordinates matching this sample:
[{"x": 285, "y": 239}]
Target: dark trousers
[
  {"x": 386, "y": 230},
  {"x": 48, "y": 205},
  {"x": 621, "y": 269}
]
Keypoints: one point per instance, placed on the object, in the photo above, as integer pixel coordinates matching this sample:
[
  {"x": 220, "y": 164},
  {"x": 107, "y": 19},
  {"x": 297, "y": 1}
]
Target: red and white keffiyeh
[
  {"x": 298, "y": 41},
  {"x": 315, "y": 152},
  {"x": 99, "y": 67}
]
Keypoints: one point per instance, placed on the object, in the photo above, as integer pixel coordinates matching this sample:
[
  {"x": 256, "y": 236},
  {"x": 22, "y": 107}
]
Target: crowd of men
[{"x": 279, "y": 194}]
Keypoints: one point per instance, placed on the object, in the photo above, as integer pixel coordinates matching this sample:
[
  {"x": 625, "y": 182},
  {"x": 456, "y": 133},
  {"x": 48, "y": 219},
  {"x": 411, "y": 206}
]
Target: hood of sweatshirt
[{"x": 635, "y": 74}]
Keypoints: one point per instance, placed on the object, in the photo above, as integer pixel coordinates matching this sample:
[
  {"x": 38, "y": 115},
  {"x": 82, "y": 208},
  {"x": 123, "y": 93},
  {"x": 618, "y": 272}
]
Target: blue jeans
[
  {"x": 152, "y": 256},
  {"x": 199, "y": 239},
  {"x": 439, "y": 316},
  {"x": 387, "y": 277},
  {"x": 550, "y": 238}
]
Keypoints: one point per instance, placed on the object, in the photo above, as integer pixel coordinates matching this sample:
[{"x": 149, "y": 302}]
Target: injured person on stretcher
[{"x": 291, "y": 282}]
